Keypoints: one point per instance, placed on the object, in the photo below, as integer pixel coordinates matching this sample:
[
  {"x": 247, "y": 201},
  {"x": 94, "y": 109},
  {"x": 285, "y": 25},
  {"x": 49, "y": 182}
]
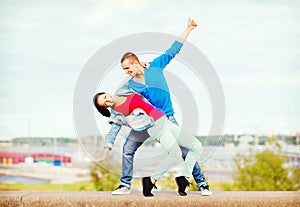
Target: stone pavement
[{"x": 161, "y": 198}]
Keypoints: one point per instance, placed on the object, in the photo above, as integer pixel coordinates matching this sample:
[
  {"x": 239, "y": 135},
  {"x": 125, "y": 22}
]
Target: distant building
[
  {"x": 246, "y": 140},
  {"x": 19, "y": 157}
]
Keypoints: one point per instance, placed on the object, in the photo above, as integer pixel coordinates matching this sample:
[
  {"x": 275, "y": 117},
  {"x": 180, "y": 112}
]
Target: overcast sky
[{"x": 253, "y": 46}]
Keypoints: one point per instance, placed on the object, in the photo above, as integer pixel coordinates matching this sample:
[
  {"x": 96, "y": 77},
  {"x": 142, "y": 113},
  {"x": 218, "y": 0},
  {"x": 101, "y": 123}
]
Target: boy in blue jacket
[{"x": 152, "y": 85}]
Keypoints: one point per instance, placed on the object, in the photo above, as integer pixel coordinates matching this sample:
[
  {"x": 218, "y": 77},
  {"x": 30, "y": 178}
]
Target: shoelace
[
  {"x": 205, "y": 187},
  {"x": 120, "y": 186}
]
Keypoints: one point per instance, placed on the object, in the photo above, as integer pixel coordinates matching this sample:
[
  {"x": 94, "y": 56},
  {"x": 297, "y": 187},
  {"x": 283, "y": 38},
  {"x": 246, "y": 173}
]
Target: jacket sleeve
[
  {"x": 124, "y": 90},
  {"x": 111, "y": 136},
  {"x": 163, "y": 60}
]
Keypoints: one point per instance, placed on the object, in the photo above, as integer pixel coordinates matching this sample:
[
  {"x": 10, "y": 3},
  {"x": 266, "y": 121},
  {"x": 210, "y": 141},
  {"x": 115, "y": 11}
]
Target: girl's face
[{"x": 105, "y": 100}]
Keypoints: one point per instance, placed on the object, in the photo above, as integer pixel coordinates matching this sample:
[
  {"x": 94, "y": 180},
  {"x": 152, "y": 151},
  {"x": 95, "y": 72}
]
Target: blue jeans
[{"x": 134, "y": 140}]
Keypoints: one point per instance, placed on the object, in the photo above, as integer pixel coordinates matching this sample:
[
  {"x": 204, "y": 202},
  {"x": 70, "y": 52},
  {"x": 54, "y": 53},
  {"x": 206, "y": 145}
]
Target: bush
[
  {"x": 262, "y": 171},
  {"x": 104, "y": 176}
]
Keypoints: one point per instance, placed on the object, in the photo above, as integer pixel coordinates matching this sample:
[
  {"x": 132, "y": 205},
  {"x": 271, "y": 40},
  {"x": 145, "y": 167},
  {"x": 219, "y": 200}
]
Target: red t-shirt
[{"x": 135, "y": 101}]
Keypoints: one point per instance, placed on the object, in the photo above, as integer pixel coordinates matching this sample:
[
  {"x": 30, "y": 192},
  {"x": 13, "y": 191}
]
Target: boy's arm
[
  {"x": 190, "y": 26},
  {"x": 163, "y": 60}
]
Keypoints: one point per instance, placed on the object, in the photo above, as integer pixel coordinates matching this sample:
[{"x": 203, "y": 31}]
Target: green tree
[
  {"x": 104, "y": 176},
  {"x": 296, "y": 177},
  {"x": 261, "y": 171}
]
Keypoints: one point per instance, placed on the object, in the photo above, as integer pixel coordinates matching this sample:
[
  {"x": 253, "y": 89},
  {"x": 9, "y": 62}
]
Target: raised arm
[
  {"x": 190, "y": 26},
  {"x": 163, "y": 60}
]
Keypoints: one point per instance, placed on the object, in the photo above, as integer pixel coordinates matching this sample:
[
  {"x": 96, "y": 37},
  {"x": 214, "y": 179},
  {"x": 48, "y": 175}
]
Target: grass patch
[
  {"x": 165, "y": 185},
  {"x": 78, "y": 186}
]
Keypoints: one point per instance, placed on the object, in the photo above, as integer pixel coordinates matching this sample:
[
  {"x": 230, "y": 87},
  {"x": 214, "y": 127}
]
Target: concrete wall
[{"x": 103, "y": 199}]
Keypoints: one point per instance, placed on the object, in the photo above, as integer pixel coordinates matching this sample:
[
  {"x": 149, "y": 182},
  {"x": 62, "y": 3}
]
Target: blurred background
[{"x": 253, "y": 46}]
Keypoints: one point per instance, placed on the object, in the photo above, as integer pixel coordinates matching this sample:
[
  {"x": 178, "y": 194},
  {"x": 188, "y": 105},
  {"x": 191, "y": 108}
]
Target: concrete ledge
[{"x": 89, "y": 199}]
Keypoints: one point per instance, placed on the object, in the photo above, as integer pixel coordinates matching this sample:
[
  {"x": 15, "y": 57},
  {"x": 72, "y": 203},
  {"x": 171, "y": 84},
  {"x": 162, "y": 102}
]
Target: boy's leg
[{"x": 133, "y": 142}]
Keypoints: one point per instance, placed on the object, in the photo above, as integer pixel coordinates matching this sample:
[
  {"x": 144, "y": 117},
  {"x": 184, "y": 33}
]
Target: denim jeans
[{"x": 134, "y": 140}]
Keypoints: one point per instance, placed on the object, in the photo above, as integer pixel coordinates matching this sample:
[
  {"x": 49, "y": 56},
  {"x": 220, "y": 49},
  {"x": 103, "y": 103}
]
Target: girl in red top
[
  {"x": 135, "y": 101},
  {"x": 166, "y": 133}
]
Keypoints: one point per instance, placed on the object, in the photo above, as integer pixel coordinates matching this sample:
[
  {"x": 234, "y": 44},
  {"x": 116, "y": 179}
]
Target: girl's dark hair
[{"x": 102, "y": 110}]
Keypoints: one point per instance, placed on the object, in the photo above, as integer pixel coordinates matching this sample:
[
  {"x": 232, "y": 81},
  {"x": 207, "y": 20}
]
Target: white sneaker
[
  {"x": 121, "y": 190},
  {"x": 205, "y": 190}
]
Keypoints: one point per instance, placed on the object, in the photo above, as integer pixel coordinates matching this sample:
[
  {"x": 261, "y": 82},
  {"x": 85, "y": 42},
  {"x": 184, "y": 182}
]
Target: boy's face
[{"x": 130, "y": 68}]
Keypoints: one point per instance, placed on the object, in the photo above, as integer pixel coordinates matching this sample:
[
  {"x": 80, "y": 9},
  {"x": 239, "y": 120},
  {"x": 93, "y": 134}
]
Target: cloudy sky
[{"x": 253, "y": 46}]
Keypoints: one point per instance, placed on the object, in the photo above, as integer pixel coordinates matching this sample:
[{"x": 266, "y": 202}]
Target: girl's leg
[
  {"x": 190, "y": 142},
  {"x": 169, "y": 144}
]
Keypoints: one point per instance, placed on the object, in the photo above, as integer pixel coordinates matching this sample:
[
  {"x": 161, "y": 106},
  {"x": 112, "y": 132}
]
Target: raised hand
[{"x": 192, "y": 23}]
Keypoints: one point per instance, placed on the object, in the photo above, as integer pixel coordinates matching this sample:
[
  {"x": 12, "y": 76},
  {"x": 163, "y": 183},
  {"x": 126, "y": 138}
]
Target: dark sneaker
[
  {"x": 205, "y": 190},
  {"x": 147, "y": 186},
  {"x": 121, "y": 190},
  {"x": 182, "y": 183}
]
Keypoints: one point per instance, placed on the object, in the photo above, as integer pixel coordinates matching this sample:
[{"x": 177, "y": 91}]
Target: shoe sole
[
  {"x": 206, "y": 194},
  {"x": 150, "y": 195},
  {"x": 121, "y": 193}
]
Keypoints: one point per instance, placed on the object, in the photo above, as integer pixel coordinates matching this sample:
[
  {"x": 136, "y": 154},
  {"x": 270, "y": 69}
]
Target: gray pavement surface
[{"x": 161, "y": 198}]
